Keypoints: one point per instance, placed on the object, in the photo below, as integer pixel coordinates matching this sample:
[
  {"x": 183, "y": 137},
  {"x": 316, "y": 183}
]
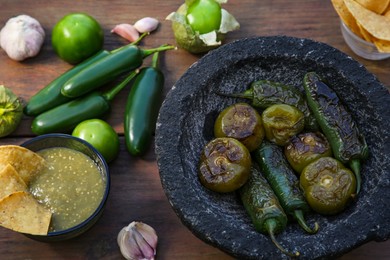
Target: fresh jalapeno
[
  {"x": 50, "y": 96},
  {"x": 281, "y": 122},
  {"x": 142, "y": 106},
  {"x": 263, "y": 207},
  {"x": 348, "y": 145},
  {"x": 284, "y": 182},
  {"x": 122, "y": 60},
  {"x": 65, "y": 117},
  {"x": 265, "y": 93},
  {"x": 328, "y": 185},
  {"x": 305, "y": 148},
  {"x": 242, "y": 122},
  {"x": 225, "y": 165}
]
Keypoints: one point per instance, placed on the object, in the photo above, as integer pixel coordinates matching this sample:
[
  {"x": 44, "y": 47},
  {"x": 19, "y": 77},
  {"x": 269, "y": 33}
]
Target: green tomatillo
[
  {"x": 100, "y": 135},
  {"x": 76, "y": 37},
  {"x": 200, "y": 25},
  {"x": 11, "y": 111}
]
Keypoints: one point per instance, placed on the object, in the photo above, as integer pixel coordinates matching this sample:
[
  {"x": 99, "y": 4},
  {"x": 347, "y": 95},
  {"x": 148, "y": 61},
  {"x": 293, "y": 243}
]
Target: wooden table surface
[{"x": 136, "y": 192}]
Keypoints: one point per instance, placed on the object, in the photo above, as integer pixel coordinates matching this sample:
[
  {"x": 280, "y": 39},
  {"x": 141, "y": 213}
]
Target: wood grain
[{"x": 136, "y": 192}]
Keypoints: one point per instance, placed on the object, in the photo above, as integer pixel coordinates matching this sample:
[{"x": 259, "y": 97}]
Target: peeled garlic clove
[
  {"x": 146, "y": 24},
  {"x": 138, "y": 241},
  {"x": 126, "y": 31}
]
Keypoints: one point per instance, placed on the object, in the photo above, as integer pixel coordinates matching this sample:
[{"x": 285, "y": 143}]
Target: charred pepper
[
  {"x": 348, "y": 145},
  {"x": 265, "y": 93},
  {"x": 263, "y": 207},
  {"x": 284, "y": 182}
]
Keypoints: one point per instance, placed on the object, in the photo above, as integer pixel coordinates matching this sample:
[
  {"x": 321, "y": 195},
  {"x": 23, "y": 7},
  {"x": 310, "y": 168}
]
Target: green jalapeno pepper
[
  {"x": 225, "y": 165},
  {"x": 242, "y": 122},
  {"x": 305, "y": 148},
  {"x": 284, "y": 182},
  {"x": 142, "y": 106},
  {"x": 263, "y": 207},
  {"x": 124, "y": 59},
  {"x": 50, "y": 96},
  {"x": 65, "y": 117},
  {"x": 348, "y": 145},
  {"x": 328, "y": 185},
  {"x": 265, "y": 93},
  {"x": 281, "y": 122}
]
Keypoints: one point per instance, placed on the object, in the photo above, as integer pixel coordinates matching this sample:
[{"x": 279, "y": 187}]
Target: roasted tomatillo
[
  {"x": 225, "y": 165},
  {"x": 328, "y": 185},
  {"x": 242, "y": 122},
  {"x": 305, "y": 148}
]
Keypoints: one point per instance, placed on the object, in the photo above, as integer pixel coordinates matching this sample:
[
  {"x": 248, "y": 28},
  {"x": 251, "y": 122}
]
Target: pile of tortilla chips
[
  {"x": 19, "y": 210},
  {"x": 368, "y": 19}
]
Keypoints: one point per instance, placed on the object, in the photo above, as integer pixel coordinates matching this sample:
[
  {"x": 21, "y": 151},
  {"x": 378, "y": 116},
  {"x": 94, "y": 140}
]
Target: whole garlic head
[
  {"x": 22, "y": 37},
  {"x": 138, "y": 241}
]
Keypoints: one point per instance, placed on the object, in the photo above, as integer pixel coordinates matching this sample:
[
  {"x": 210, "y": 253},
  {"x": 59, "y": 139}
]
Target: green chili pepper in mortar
[
  {"x": 348, "y": 145},
  {"x": 265, "y": 93},
  {"x": 263, "y": 207},
  {"x": 50, "y": 96},
  {"x": 66, "y": 116},
  {"x": 124, "y": 59},
  {"x": 284, "y": 182},
  {"x": 142, "y": 106}
]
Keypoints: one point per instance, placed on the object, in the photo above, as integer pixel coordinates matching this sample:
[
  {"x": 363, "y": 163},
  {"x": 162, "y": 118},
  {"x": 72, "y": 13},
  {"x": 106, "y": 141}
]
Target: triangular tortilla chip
[
  {"x": 22, "y": 213},
  {"x": 346, "y": 16},
  {"x": 26, "y": 162},
  {"x": 10, "y": 181},
  {"x": 377, "y": 6}
]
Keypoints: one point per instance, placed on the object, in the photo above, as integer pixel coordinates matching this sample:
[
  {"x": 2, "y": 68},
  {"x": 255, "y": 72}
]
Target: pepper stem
[
  {"x": 110, "y": 94},
  {"x": 355, "y": 166},
  {"x": 155, "y": 60},
  {"x": 298, "y": 215},
  {"x": 164, "y": 47},
  {"x": 271, "y": 227},
  {"x": 133, "y": 43}
]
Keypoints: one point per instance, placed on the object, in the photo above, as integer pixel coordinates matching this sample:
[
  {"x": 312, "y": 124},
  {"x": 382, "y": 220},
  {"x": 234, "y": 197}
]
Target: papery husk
[{"x": 11, "y": 111}]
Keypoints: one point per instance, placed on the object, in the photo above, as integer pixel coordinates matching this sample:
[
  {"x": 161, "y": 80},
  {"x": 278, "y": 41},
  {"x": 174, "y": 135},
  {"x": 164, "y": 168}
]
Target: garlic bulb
[
  {"x": 138, "y": 241},
  {"x": 22, "y": 37}
]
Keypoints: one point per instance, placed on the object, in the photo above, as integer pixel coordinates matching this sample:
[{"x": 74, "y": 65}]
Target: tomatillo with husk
[{"x": 11, "y": 111}]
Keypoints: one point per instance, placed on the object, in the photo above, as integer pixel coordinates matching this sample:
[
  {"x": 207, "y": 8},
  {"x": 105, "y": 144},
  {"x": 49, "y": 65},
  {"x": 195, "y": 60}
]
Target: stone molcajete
[{"x": 185, "y": 125}]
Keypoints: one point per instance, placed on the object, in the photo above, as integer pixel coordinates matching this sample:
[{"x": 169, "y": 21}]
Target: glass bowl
[
  {"x": 361, "y": 47},
  {"x": 64, "y": 140}
]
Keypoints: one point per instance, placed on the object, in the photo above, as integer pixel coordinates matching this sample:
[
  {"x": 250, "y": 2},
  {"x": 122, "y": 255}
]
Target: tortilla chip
[
  {"x": 10, "y": 181},
  {"x": 26, "y": 162},
  {"x": 377, "y": 6},
  {"x": 346, "y": 16},
  {"x": 22, "y": 213},
  {"x": 377, "y": 25},
  {"x": 382, "y": 46}
]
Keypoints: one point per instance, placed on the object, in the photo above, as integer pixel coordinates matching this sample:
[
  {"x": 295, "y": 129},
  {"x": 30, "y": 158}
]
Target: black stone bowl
[
  {"x": 64, "y": 140},
  {"x": 185, "y": 125}
]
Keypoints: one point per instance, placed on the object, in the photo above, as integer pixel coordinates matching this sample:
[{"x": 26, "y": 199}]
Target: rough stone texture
[{"x": 185, "y": 125}]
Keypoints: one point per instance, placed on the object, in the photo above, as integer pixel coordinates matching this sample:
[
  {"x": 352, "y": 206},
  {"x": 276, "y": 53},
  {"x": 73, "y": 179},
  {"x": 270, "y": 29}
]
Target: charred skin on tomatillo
[
  {"x": 242, "y": 122},
  {"x": 225, "y": 165},
  {"x": 304, "y": 148}
]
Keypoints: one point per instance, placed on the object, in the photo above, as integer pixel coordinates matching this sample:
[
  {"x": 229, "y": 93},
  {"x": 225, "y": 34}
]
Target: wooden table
[{"x": 136, "y": 192}]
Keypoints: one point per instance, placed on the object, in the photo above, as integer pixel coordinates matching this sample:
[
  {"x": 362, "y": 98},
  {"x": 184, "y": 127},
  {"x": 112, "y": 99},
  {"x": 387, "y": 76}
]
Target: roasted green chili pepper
[
  {"x": 281, "y": 122},
  {"x": 328, "y": 185},
  {"x": 263, "y": 207},
  {"x": 242, "y": 122},
  {"x": 305, "y": 148},
  {"x": 284, "y": 182},
  {"x": 265, "y": 93},
  {"x": 348, "y": 145},
  {"x": 224, "y": 165},
  {"x": 124, "y": 59},
  {"x": 65, "y": 117},
  {"x": 142, "y": 106},
  {"x": 50, "y": 96}
]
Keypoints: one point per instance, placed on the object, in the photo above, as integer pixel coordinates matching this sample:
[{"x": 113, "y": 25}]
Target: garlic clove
[
  {"x": 146, "y": 24},
  {"x": 138, "y": 241},
  {"x": 126, "y": 31}
]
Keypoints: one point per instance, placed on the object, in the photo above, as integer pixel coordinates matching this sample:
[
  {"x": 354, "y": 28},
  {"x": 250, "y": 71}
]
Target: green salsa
[{"x": 71, "y": 186}]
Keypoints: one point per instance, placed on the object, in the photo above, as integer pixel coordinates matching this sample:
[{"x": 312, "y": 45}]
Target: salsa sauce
[{"x": 71, "y": 186}]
